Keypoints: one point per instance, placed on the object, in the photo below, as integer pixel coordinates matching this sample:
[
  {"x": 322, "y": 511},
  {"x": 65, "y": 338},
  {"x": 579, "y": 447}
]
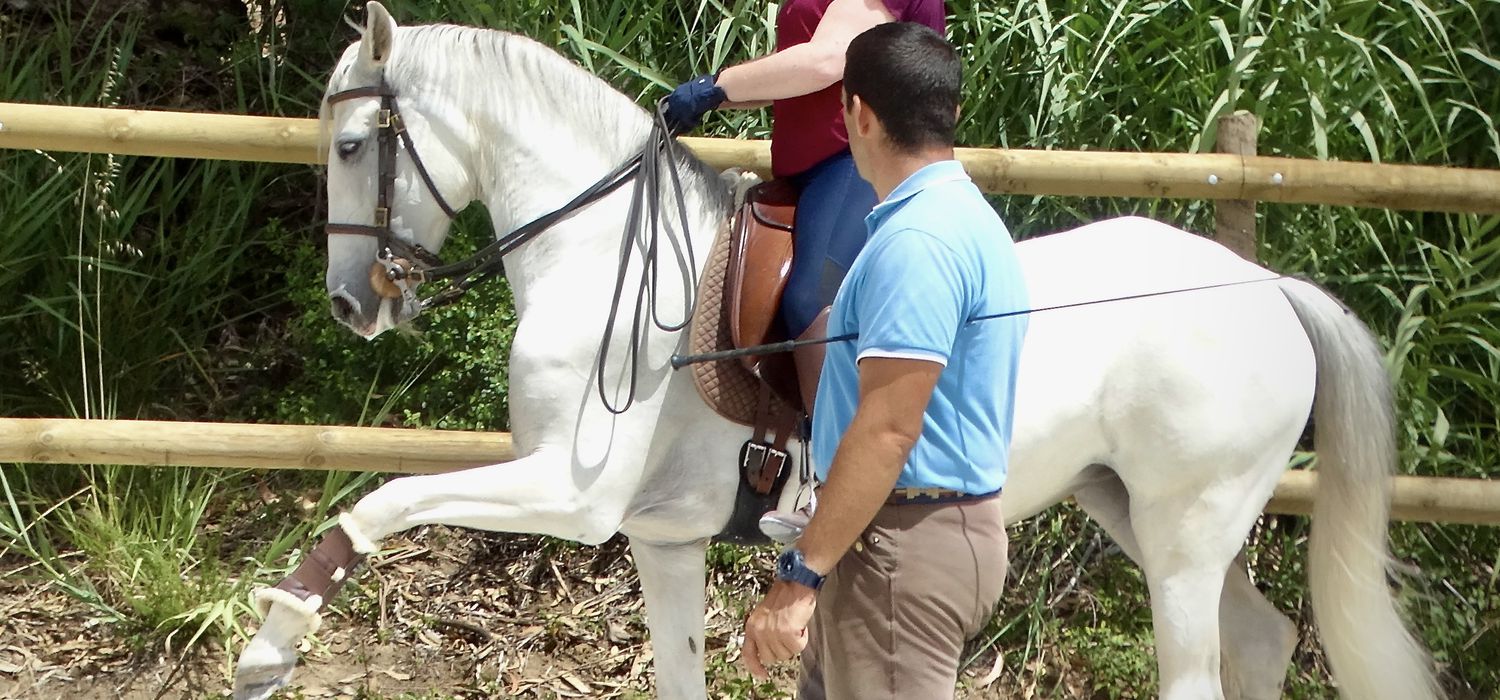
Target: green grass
[{"x": 142, "y": 287}]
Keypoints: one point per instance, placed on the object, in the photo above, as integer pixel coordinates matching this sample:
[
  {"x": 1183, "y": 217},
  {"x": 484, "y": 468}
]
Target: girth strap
[{"x": 764, "y": 458}]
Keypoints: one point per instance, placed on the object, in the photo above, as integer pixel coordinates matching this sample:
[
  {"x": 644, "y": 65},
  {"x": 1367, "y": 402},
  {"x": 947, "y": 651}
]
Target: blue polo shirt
[{"x": 937, "y": 257}]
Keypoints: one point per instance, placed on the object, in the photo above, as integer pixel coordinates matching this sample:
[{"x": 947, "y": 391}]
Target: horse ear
[{"x": 379, "y": 34}]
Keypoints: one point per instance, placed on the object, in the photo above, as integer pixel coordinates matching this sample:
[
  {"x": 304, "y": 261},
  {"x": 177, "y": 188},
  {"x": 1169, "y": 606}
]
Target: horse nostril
[{"x": 343, "y": 309}]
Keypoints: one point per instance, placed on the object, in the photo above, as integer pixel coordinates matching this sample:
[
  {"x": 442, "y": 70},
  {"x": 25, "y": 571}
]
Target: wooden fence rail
[
  {"x": 239, "y": 445},
  {"x": 1011, "y": 171},
  {"x": 247, "y": 445}
]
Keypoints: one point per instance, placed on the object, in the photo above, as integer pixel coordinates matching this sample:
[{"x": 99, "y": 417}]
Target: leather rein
[{"x": 407, "y": 264}]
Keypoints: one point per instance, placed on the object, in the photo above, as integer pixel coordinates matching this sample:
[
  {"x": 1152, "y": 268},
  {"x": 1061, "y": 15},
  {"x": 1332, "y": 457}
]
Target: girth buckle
[{"x": 762, "y": 464}]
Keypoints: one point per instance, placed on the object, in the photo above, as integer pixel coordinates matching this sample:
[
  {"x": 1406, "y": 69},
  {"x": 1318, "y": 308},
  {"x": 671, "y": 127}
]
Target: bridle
[
  {"x": 407, "y": 264},
  {"x": 402, "y": 259}
]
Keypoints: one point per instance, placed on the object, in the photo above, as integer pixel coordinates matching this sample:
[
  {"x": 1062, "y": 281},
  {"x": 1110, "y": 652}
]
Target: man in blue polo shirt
[{"x": 905, "y": 556}]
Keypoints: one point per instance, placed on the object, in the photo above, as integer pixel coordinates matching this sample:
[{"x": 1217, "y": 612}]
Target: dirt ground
[{"x": 443, "y": 613}]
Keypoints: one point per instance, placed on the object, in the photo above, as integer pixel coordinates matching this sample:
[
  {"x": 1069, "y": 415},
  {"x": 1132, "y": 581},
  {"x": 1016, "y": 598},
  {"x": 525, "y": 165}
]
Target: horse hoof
[{"x": 262, "y": 670}]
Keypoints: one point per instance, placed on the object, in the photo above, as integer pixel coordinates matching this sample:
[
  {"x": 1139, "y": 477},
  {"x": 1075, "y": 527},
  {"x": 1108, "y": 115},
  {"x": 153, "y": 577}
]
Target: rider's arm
[
  {"x": 808, "y": 67},
  {"x": 893, "y": 395}
]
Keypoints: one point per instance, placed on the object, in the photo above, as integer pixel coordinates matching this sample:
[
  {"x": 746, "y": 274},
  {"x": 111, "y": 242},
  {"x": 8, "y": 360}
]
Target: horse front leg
[
  {"x": 535, "y": 494},
  {"x": 673, "y": 580},
  {"x": 539, "y": 494}
]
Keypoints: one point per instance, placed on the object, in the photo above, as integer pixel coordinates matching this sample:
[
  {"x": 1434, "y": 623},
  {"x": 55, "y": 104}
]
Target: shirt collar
[{"x": 929, "y": 175}]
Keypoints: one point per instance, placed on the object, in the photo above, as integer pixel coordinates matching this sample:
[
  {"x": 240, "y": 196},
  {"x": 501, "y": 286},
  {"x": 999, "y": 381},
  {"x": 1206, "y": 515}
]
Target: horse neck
[
  {"x": 580, "y": 255},
  {"x": 556, "y": 132}
]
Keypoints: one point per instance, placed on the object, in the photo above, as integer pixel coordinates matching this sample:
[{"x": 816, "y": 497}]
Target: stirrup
[{"x": 786, "y": 527}]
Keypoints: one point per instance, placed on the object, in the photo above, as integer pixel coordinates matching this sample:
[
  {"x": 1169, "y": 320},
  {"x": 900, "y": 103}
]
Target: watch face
[{"x": 786, "y": 563}]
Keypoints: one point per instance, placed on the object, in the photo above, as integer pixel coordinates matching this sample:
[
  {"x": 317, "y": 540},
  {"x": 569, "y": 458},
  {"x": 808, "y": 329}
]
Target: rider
[{"x": 809, "y": 145}]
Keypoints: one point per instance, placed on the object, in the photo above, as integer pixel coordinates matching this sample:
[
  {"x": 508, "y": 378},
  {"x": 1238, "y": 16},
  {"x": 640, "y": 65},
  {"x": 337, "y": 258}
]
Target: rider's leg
[
  {"x": 831, "y": 212},
  {"x": 831, "y": 230}
]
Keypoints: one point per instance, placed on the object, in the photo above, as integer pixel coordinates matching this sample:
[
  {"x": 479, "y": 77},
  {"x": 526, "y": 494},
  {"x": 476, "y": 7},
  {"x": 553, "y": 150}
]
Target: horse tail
[{"x": 1372, "y": 653}]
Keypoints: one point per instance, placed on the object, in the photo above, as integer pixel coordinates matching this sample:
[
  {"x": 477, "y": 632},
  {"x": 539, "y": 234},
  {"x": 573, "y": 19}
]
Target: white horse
[{"x": 1169, "y": 419}]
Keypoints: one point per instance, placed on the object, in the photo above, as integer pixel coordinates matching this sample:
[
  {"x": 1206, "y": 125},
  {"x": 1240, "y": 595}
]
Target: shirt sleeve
[
  {"x": 932, "y": 13},
  {"x": 897, "y": 8},
  {"x": 912, "y": 299}
]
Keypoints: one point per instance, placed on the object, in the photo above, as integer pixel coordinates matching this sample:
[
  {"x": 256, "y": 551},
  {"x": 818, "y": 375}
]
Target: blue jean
[{"x": 831, "y": 231}]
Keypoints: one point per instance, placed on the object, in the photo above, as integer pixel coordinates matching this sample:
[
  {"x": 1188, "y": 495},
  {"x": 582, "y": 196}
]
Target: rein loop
[{"x": 661, "y": 146}]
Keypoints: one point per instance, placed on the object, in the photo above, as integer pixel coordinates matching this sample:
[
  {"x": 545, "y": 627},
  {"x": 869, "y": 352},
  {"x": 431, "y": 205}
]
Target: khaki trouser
[{"x": 893, "y": 616}]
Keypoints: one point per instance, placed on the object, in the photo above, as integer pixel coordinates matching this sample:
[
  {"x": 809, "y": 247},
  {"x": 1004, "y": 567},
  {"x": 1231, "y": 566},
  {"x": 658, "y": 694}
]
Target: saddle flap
[
  {"x": 726, "y": 385},
  {"x": 760, "y": 261}
]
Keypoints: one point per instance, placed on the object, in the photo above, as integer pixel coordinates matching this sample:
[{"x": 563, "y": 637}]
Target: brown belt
[{"x": 916, "y": 496}]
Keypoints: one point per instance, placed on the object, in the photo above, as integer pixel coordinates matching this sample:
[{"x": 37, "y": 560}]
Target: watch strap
[{"x": 791, "y": 567}]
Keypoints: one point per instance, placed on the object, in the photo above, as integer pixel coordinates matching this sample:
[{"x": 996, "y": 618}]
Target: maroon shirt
[{"x": 805, "y": 130}]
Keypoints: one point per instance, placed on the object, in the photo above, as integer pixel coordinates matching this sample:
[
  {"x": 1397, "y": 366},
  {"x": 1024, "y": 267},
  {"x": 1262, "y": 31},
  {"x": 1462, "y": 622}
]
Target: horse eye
[{"x": 349, "y": 147}]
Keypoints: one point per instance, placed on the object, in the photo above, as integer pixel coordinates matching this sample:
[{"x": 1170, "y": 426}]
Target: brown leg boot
[
  {"x": 320, "y": 576},
  {"x": 809, "y": 359}
]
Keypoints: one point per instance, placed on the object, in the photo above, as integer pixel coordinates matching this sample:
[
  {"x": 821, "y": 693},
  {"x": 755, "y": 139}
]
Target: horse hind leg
[
  {"x": 1256, "y": 639},
  {"x": 673, "y": 579},
  {"x": 1188, "y": 540}
]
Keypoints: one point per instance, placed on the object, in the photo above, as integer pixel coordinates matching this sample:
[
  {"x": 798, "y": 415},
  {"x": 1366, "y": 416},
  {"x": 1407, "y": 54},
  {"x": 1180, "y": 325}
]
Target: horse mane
[
  {"x": 428, "y": 59},
  {"x": 431, "y": 57}
]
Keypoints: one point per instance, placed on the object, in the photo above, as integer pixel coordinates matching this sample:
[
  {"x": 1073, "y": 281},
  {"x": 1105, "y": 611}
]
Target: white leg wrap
[
  {"x": 362, "y": 544},
  {"x": 307, "y": 609}
]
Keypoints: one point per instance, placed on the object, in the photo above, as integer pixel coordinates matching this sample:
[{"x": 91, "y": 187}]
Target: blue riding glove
[{"x": 690, "y": 101}]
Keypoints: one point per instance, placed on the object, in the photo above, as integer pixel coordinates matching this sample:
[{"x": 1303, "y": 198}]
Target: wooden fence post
[
  {"x": 1234, "y": 219},
  {"x": 1234, "y": 226}
]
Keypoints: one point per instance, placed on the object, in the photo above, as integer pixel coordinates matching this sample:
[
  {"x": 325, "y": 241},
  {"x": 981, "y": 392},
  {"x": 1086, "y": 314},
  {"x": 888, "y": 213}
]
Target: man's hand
[{"x": 777, "y": 628}]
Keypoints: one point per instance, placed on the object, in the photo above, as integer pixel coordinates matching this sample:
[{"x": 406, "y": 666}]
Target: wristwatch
[{"x": 790, "y": 566}]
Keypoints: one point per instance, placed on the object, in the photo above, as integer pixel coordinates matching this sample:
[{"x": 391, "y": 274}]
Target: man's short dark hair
[{"x": 909, "y": 75}]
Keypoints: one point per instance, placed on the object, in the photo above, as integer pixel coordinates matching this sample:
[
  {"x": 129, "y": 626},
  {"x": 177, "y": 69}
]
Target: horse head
[{"x": 399, "y": 168}]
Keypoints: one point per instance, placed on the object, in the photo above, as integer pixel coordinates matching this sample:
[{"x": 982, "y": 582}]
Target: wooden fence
[
  {"x": 1235, "y": 175},
  {"x": 394, "y": 450}
]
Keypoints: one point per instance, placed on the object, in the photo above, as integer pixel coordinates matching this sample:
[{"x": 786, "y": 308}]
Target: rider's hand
[{"x": 688, "y": 103}]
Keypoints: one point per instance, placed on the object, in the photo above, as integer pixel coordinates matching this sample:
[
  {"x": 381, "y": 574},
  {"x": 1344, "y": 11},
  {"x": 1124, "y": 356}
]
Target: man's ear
[
  {"x": 379, "y": 34},
  {"x": 863, "y": 118}
]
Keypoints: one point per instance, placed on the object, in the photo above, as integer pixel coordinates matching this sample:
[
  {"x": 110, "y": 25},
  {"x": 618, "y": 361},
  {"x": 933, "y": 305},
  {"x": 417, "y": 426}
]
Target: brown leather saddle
[
  {"x": 739, "y": 299},
  {"x": 760, "y": 261}
]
